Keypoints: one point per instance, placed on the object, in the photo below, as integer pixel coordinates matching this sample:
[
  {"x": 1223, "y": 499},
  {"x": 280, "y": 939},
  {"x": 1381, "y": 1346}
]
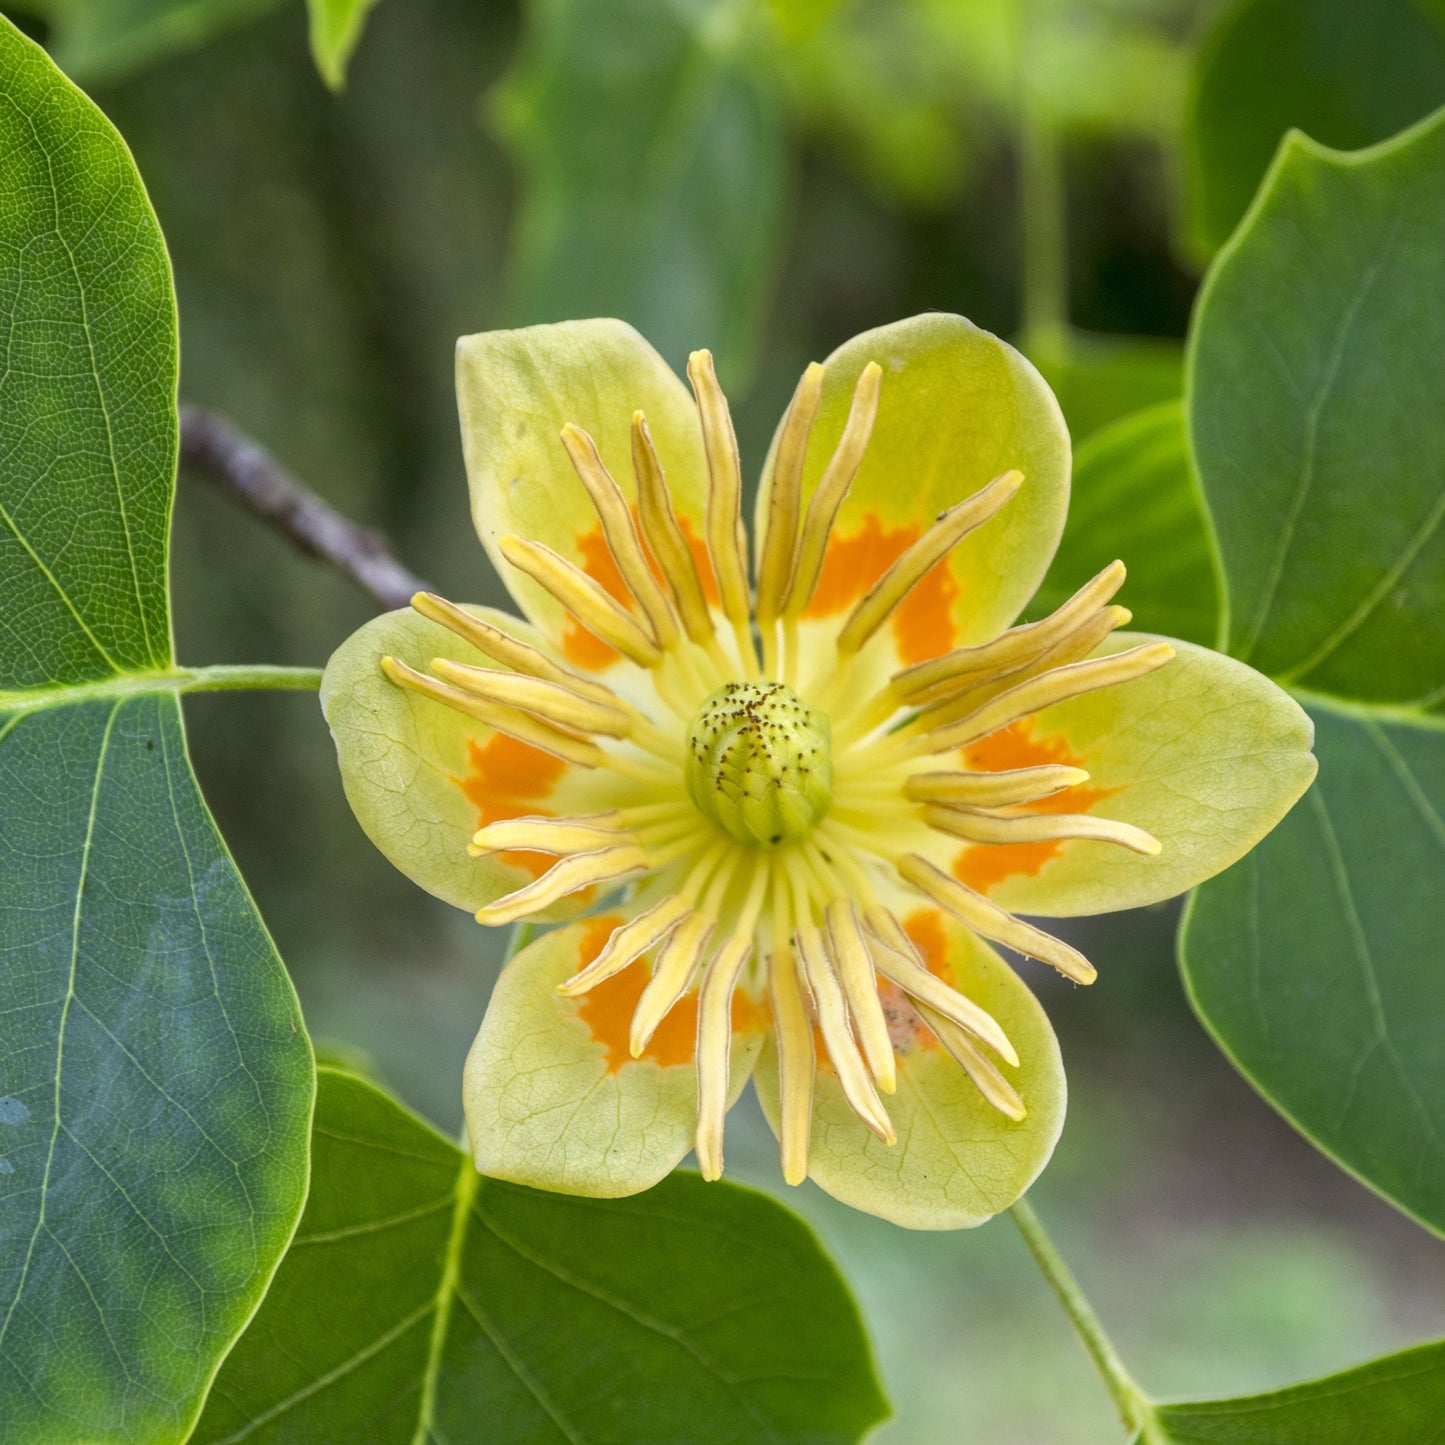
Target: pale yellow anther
[
  {"x": 665, "y": 537},
  {"x": 725, "y": 543},
  {"x": 849, "y": 951},
  {"x": 1044, "y": 691},
  {"x": 992, "y": 790},
  {"x": 502, "y": 647},
  {"x": 935, "y": 544},
  {"x": 714, "y": 1046},
  {"x": 553, "y": 702},
  {"x": 964, "y": 665},
  {"x": 833, "y": 1024},
  {"x": 581, "y": 870},
  {"x": 1038, "y": 828},
  {"x": 558, "y": 836},
  {"x": 628, "y": 943},
  {"x": 584, "y": 598},
  {"x": 832, "y": 488},
  {"x": 620, "y": 533},
  {"x": 987, "y": 918},
  {"x": 520, "y": 725},
  {"x": 785, "y": 497},
  {"x": 671, "y": 976},
  {"x": 897, "y": 960},
  {"x": 986, "y": 1078},
  {"x": 1074, "y": 647},
  {"x": 796, "y": 1064}
]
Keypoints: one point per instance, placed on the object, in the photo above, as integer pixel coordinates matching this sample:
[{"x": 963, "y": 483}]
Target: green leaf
[
  {"x": 653, "y": 161},
  {"x": 155, "y": 1084},
  {"x": 1315, "y": 961},
  {"x": 1346, "y": 73},
  {"x": 97, "y": 40},
  {"x": 1100, "y": 379},
  {"x": 1133, "y": 498},
  {"x": 336, "y": 27},
  {"x": 421, "y": 1302},
  {"x": 1316, "y": 424},
  {"x": 1397, "y": 1400}
]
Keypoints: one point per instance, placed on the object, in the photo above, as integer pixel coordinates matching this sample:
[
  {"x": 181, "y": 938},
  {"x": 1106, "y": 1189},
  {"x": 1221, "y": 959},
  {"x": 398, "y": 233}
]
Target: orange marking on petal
[
  {"x": 607, "y": 1010},
  {"x": 505, "y": 778},
  {"x": 923, "y": 624},
  {"x": 983, "y": 865}
]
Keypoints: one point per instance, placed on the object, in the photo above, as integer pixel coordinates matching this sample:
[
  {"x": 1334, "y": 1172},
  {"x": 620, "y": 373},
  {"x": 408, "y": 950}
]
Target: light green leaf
[
  {"x": 1315, "y": 961},
  {"x": 336, "y": 27},
  {"x": 421, "y": 1302},
  {"x": 106, "y": 40},
  {"x": 1316, "y": 423},
  {"x": 1133, "y": 498},
  {"x": 155, "y": 1082},
  {"x": 652, "y": 160},
  {"x": 1397, "y": 1400},
  {"x": 1347, "y": 74}
]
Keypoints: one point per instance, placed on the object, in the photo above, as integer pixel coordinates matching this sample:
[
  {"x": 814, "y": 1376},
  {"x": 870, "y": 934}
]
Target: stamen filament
[
  {"x": 560, "y": 836},
  {"x": 670, "y": 979},
  {"x": 796, "y": 1063},
  {"x": 993, "y": 790},
  {"x": 980, "y": 1069},
  {"x": 553, "y": 702},
  {"x": 581, "y": 870},
  {"x": 628, "y": 942},
  {"x": 860, "y": 990},
  {"x": 976, "y": 827}
]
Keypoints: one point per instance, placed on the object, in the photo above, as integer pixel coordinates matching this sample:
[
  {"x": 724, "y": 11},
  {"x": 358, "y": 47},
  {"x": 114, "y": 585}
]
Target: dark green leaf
[
  {"x": 653, "y": 165},
  {"x": 1133, "y": 498},
  {"x": 1346, "y": 73},
  {"x": 1398, "y": 1400},
  {"x": 1316, "y": 421},
  {"x": 1316, "y": 961},
  {"x": 106, "y": 39},
  {"x": 336, "y": 27},
  {"x": 155, "y": 1080},
  {"x": 1100, "y": 379},
  {"x": 421, "y": 1303},
  {"x": 155, "y": 1084}
]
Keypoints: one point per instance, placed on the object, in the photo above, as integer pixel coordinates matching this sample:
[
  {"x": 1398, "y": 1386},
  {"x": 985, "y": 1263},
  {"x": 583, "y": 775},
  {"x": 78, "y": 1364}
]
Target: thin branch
[{"x": 211, "y": 444}]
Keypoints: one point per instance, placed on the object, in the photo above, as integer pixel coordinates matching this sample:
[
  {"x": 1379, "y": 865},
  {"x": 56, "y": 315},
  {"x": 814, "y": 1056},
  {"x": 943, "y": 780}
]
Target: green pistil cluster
[{"x": 759, "y": 763}]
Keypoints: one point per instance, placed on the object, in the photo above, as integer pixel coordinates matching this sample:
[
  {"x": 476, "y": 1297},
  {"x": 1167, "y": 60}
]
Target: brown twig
[{"x": 211, "y": 444}]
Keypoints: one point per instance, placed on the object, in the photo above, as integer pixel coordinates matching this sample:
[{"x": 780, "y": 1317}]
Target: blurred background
[{"x": 766, "y": 180}]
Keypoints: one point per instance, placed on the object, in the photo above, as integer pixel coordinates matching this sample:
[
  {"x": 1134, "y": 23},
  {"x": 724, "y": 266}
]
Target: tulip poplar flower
[{"x": 793, "y": 799}]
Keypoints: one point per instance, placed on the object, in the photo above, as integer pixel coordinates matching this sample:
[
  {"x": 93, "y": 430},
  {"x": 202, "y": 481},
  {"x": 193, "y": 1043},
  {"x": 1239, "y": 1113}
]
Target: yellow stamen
[
  {"x": 987, "y": 918},
  {"x": 725, "y": 542},
  {"x": 897, "y": 960},
  {"x": 1038, "y": 828},
  {"x": 628, "y": 942},
  {"x": 507, "y": 720},
  {"x": 785, "y": 497},
  {"x": 796, "y": 1064},
  {"x": 993, "y": 790},
  {"x": 670, "y": 979},
  {"x": 924, "y": 680},
  {"x": 860, "y": 988},
  {"x": 665, "y": 536},
  {"x": 581, "y": 870},
  {"x": 986, "y": 1077},
  {"x": 714, "y": 1027},
  {"x": 832, "y": 487},
  {"x": 1045, "y": 691},
  {"x": 935, "y": 544},
  {"x": 832, "y": 1011},
  {"x": 559, "y": 836},
  {"x": 584, "y": 598},
  {"x": 502, "y": 647},
  {"x": 553, "y": 702},
  {"x": 620, "y": 534}
]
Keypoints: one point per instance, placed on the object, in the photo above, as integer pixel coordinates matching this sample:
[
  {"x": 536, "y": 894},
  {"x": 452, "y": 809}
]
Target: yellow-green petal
[
  {"x": 957, "y": 408},
  {"x": 515, "y": 391},
  {"x": 422, "y": 778},
  {"x": 1204, "y": 753},
  {"x": 553, "y": 1098},
  {"x": 958, "y": 1161}
]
